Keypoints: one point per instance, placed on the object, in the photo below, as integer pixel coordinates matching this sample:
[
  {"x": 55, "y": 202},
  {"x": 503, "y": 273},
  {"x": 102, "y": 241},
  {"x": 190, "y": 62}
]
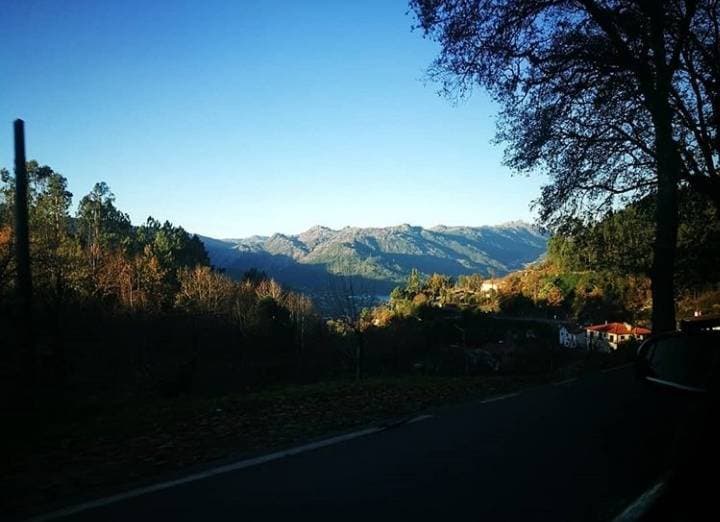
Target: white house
[
  {"x": 609, "y": 335},
  {"x": 489, "y": 286}
]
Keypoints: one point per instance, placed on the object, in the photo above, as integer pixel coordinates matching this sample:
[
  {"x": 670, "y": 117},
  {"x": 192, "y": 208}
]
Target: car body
[{"x": 686, "y": 364}]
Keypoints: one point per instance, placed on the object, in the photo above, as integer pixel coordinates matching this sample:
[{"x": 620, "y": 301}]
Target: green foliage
[
  {"x": 100, "y": 223},
  {"x": 621, "y": 243},
  {"x": 100, "y": 259},
  {"x": 172, "y": 246}
]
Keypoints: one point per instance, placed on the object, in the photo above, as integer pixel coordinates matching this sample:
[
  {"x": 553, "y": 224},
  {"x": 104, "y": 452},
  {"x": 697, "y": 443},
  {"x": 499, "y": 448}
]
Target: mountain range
[{"x": 380, "y": 258}]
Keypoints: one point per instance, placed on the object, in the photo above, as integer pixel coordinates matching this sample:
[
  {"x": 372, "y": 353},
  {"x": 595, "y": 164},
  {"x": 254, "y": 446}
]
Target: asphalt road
[{"x": 573, "y": 451}]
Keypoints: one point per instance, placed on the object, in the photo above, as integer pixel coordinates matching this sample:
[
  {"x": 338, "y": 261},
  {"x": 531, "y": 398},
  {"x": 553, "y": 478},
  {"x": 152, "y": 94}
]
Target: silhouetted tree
[
  {"x": 350, "y": 301},
  {"x": 612, "y": 98},
  {"x": 301, "y": 311}
]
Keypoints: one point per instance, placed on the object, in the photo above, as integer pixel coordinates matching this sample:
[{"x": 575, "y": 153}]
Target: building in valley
[{"x": 609, "y": 336}]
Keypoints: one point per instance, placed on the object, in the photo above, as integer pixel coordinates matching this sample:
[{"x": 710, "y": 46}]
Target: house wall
[
  {"x": 599, "y": 341},
  {"x": 610, "y": 340},
  {"x": 567, "y": 339},
  {"x": 580, "y": 340}
]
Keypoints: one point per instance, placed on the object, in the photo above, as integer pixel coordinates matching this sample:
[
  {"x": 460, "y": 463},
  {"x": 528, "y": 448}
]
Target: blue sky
[{"x": 248, "y": 117}]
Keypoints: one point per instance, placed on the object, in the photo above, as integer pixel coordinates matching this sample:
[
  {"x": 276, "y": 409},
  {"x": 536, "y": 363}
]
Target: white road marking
[
  {"x": 420, "y": 418},
  {"x": 500, "y": 397},
  {"x": 621, "y": 367},
  {"x": 642, "y": 504},
  {"x": 676, "y": 385},
  {"x": 566, "y": 381},
  {"x": 205, "y": 474}
]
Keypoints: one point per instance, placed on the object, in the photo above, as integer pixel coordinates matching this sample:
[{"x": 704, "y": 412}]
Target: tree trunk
[{"x": 666, "y": 222}]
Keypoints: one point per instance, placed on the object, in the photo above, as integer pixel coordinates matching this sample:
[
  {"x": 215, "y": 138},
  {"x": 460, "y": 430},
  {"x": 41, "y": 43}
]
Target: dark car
[{"x": 686, "y": 364}]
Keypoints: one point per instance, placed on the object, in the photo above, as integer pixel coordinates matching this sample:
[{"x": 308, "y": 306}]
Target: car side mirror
[{"x": 678, "y": 361}]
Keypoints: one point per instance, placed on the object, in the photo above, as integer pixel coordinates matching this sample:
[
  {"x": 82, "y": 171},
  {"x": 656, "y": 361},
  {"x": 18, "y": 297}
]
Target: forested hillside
[
  {"x": 601, "y": 270},
  {"x": 122, "y": 310},
  {"x": 593, "y": 272}
]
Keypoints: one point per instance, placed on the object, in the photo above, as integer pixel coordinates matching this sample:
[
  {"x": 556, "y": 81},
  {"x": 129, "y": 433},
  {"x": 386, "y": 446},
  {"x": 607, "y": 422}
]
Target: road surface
[{"x": 577, "y": 450}]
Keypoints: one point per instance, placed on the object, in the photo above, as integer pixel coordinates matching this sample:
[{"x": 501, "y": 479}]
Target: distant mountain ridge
[{"x": 381, "y": 257}]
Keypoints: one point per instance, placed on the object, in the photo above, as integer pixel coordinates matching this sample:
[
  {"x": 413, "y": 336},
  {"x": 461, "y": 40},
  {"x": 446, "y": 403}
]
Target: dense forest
[
  {"x": 121, "y": 309},
  {"x": 617, "y": 250}
]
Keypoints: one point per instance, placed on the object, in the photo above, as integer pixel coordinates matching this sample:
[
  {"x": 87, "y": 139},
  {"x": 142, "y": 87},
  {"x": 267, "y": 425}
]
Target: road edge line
[
  {"x": 621, "y": 367},
  {"x": 499, "y": 397},
  {"x": 566, "y": 381},
  {"x": 420, "y": 418},
  {"x": 635, "y": 511}
]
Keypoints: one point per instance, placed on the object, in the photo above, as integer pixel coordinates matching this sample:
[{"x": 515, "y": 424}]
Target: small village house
[
  {"x": 488, "y": 286},
  {"x": 609, "y": 335}
]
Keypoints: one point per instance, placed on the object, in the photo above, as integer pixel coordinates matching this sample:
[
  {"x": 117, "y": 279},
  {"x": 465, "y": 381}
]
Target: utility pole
[{"x": 22, "y": 254}]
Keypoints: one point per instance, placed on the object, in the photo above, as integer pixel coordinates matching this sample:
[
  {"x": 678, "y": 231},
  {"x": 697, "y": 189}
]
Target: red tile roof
[{"x": 619, "y": 329}]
